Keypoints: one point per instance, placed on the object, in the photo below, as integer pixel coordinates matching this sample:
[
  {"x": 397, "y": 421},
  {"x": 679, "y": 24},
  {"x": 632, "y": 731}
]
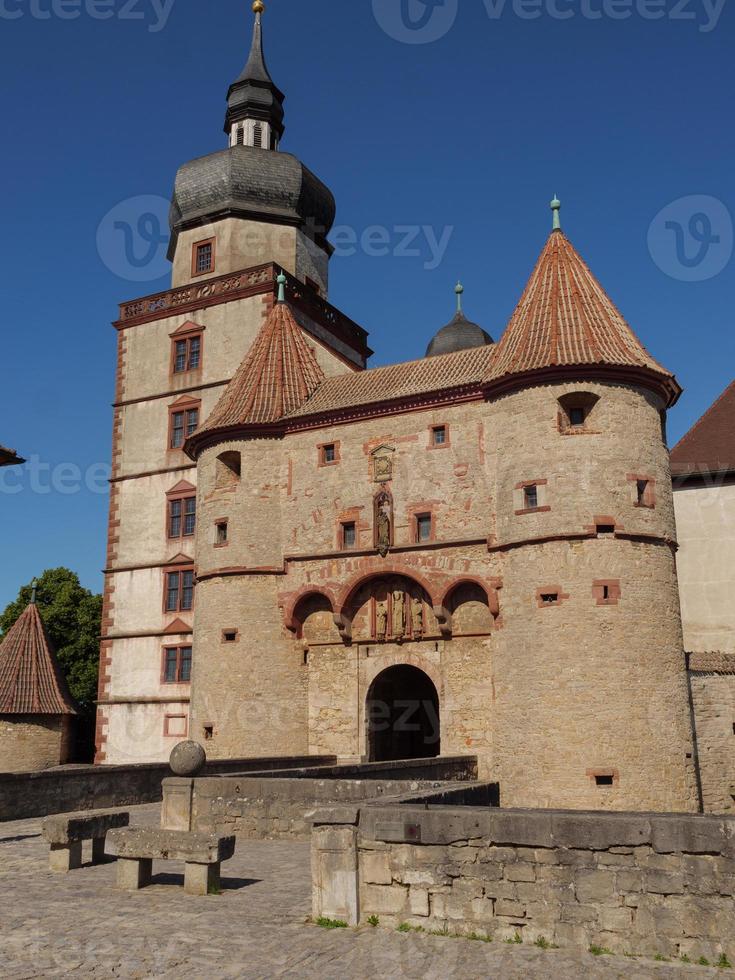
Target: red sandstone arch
[
  {"x": 383, "y": 570},
  {"x": 490, "y": 590},
  {"x": 292, "y": 610}
]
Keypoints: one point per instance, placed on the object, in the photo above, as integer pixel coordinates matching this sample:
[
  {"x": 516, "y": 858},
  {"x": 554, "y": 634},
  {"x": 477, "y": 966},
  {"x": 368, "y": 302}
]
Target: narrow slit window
[
  {"x": 642, "y": 492},
  {"x": 349, "y": 534},
  {"x": 550, "y": 598},
  {"x": 424, "y": 527},
  {"x": 329, "y": 453},
  {"x": 439, "y": 435},
  {"x": 220, "y": 533},
  {"x": 530, "y": 497}
]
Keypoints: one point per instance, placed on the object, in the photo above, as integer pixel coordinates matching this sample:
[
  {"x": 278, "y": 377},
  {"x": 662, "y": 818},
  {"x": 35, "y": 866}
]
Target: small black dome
[{"x": 459, "y": 334}]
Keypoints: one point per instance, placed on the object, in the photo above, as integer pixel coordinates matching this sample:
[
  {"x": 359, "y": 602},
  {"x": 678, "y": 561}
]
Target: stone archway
[{"x": 402, "y": 715}]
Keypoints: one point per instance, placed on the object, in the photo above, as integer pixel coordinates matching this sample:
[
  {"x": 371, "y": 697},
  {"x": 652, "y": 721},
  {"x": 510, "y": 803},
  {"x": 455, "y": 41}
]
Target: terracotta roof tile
[
  {"x": 31, "y": 682},
  {"x": 398, "y": 381},
  {"x": 709, "y": 446},
  {"x": 278, "y": 374},
  {"x": 565, "y": 318},
  {"x": 8, "y": 457}
]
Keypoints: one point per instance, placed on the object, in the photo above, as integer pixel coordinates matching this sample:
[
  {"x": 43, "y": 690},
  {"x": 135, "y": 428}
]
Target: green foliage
[
  {"x": 407, "y": 927},
  {"x": 326, "y": 923},
  {"x": 517, "y": 939},
  {"x": 373, "y": 920},
  {"x": 703, "y": 961},
  {"x": 660, "y": 958},
  {"x": 724, "y": 963},
  {"x": 543, "y": 943},
  {"x": 600, "y": 951},
  {"x": 72, "y": 616}
]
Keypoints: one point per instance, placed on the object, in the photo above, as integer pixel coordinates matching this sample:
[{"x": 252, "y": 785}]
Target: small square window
[
  {"x": 349, "y": 534},
  {"x": 606, "y": 529},
  {"x": 220, "y": 532},
  {"x": 530, "y": 497},
  {"x": 424, "y": 527},
  {"x": 439, "y": 435},
  {"x": 329, "y": 453},
  {"x": 203, "y": 258},
  {"x": 229, "y": 636},
  {"x": 549, "y": 598},
  {"x": 175, "y": 726},
  {"x": 605, "y": 779},
  {"x": 208, "y": 732},
  {"x": 576, "y": 416}
]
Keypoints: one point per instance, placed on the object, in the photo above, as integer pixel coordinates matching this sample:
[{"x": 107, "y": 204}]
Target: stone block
[
  {"x": 177, "y": 806},
  {"x": 375, "y": 868},
  {"x": 175, "y": 845},
  {"x": 67, "y": 828},
  {"x": 527, "y": 828},
  {"x": 133, "y": 873},
  {"x": 574, "y": 912},
  {"x": 65, "y": 857},
  {"x": 335, "y": 889},
  {"x": 595, "y": 886},
  {"x": 629, "y": 881},
  {"x": 599, "y": 831},
  {"x": 664, "y": 883},
  {"x": 615, "y": 920},
  {"x": 520, "y": 871},
  {"x": 418, "y": 901},
  {"x": 510, "y": 909},
  {"x": 383, "y": 899},
  {"x": 688, "y": 834},
  {"x": 201, "y": 879}
]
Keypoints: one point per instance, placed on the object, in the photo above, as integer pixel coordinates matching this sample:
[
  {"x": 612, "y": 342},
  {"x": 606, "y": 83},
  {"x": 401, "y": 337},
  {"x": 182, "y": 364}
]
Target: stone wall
[
  {"x": 29, "y": 743},
  {"x": 712, "y": 680},
  {"x": 632, "y": 883},
  {"x": 281, "y": 804},
  {"x": 37, "y": 794}
]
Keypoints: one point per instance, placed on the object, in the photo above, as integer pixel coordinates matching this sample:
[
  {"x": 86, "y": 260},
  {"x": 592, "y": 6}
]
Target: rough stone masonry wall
[
  {"x": 29, "y": 743},
  {"x": 632, "y": 883},
  {"x": 713, "y": 697}
]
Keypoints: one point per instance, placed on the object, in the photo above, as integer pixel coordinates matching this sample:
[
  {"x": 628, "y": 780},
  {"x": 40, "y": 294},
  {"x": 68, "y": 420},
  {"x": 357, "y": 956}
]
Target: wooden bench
[
  {"x": 138, "y": 847},
  {"x": 65, "y": 833}
]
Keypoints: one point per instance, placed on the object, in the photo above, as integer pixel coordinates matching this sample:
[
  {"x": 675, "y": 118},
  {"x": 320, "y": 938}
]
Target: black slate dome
[
  {"x": 248, "y": 182},
  {"x": 459, "y": 334}
]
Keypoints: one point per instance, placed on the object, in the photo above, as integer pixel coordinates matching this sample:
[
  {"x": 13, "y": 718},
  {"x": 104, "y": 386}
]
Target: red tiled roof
[
  {"x": 709, "y": 446},
  {"x": 460, "y": 369},
  {"x": 8, "y": 457},
  {"x": 566, "y": 319},
  {"x": 31, "y": 682},
  {"x": 278, "y": 374}
]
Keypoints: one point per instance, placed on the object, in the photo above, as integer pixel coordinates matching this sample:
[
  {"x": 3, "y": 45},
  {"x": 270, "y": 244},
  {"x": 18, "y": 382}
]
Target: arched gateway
[{"x": 402, "y": 715}]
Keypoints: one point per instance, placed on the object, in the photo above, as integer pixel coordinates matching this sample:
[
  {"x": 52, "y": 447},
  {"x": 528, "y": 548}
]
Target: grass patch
[
  {"x": 373, "y": 920},
  {"x": 543, "y": 943},
  {"x": 600, "y": 951},
  {"x": 326, "y": 923},
  {"x": 703, "y": 961},
  {"x": 660, "y": 958},
  {"x": 477, "y": 938},
  {"x": 515, "y": 940},
  {"x": 724, "y": 963},
  {"x": 407, "y": 927}
]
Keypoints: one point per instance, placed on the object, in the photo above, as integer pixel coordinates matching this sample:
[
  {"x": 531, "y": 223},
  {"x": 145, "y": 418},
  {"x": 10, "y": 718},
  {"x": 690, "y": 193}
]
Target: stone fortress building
[{"x": 469, "y": 553}]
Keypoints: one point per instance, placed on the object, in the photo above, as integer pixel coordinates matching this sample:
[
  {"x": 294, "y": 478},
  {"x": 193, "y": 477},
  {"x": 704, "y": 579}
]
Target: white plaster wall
[
  {"x": 705, "y": 521},
  {"x": 135, "y": 732}
]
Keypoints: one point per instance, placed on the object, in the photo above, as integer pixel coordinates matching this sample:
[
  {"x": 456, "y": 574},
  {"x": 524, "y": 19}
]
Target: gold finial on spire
[{"x": 258, "y": 7}]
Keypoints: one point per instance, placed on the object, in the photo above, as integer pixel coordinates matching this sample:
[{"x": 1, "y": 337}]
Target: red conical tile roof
[
  {"x": 31, "y": 682},
  {"x": 709, "y": 446},
  {"x": 277, "y": 376},
  {"x": 565, "y": 319}
]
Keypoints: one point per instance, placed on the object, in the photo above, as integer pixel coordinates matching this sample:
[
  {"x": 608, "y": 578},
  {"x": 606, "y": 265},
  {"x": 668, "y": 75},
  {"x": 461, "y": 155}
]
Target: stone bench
[
  {"x": 66, "y": 831},
  {"x": 137, "y": 848}
]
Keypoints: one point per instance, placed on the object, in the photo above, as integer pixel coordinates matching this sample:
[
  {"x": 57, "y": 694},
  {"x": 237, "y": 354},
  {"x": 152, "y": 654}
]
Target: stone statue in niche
[
  {"x": 417, "y": 617},
  {"x": 399, "y": 614},
  {"x": 381, "y": 620},
  {"x": 383, "y": 523}
]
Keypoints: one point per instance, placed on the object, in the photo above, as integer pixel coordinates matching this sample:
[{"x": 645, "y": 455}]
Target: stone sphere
[{"x": 187, "y": 759}]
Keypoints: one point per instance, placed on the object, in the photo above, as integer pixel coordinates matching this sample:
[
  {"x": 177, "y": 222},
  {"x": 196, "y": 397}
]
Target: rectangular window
[
  {"x": 187, "y": 354},
  {"x": 229, "y": 636},
  {"x": 204, "y": 258},
  {"x": 182, "y": 517},
  {"x": 642, "y": 492},
  {"x": 177, "y": 665},
  {"x": 576, "y": 416},
  {"x": 439, "y": 435},
  {"x": 349, "y": 534},
  {"x": 605, "y": 779},
  {"x": 183, "y": 424},
  {"x": 549, "y": 598},
  {"x": 530, "y": 497},
  {"x": 423, "y": 527},
  {"x": 329, "y": 453},
  {"x": 220, "y": 534},
  {"x": 179, "y": 591}
]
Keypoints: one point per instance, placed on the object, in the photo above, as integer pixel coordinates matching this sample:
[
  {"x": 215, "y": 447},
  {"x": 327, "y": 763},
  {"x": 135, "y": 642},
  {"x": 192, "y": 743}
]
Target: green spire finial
[
  {"x": 556, "y": 208},
  {"x": 459, "y": 289},
  {"x": 34, "y": 588},
  {"x": 281, "y": 280}
]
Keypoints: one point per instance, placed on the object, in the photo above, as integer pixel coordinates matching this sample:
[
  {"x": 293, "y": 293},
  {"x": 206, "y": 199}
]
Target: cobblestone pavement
[{"x": 80, "y": 925}]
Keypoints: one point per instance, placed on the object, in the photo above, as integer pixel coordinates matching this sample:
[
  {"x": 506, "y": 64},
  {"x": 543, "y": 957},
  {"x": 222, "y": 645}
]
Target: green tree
[{"x": 72, "y": 616}]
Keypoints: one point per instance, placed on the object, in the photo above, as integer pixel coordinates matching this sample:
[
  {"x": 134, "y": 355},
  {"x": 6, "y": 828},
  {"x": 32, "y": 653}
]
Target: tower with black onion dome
[{"x": 251, "y": 203}]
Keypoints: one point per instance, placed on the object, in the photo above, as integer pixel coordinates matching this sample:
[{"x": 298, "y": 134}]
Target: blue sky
[{"x": 464, "y": 138}]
